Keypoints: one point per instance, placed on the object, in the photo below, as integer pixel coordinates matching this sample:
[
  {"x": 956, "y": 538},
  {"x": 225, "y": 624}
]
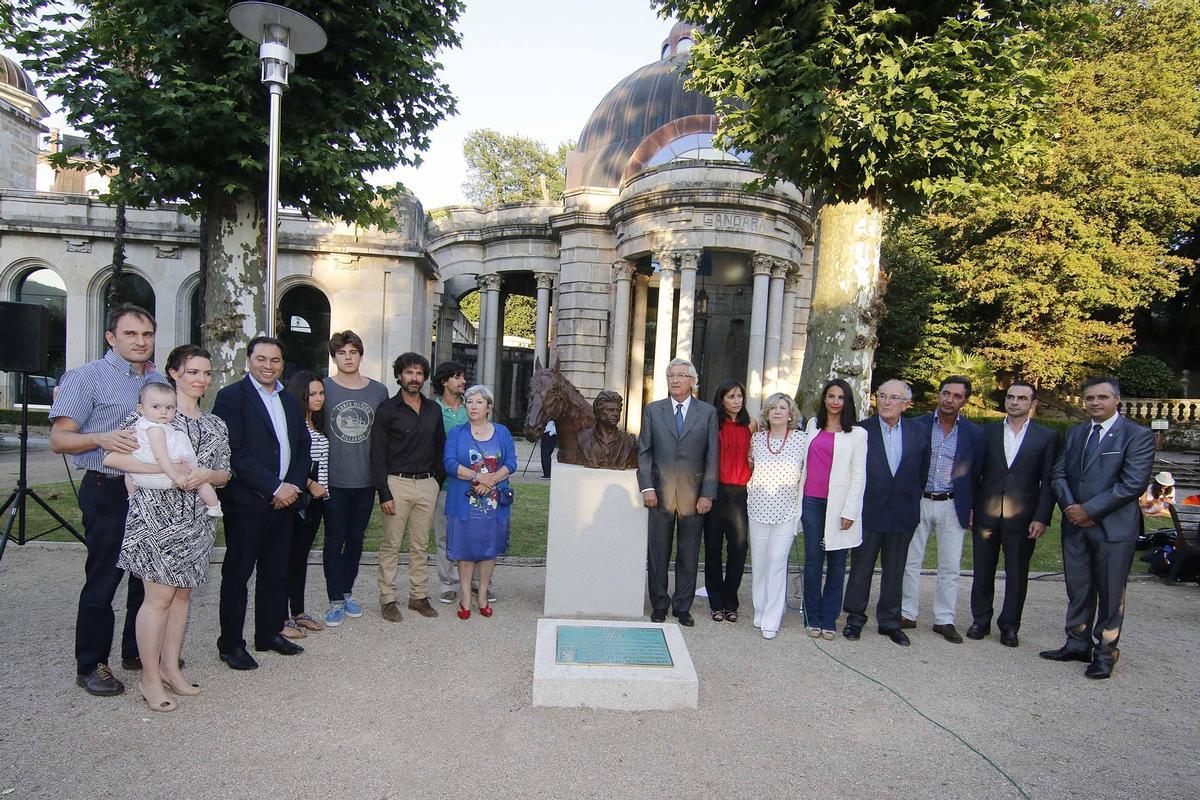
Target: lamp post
[{"x": 281, "y": 33}]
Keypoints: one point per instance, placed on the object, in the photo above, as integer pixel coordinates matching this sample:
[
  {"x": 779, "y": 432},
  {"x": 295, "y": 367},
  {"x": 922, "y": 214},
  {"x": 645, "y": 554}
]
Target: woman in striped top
[{"x": 310, "y": 391}]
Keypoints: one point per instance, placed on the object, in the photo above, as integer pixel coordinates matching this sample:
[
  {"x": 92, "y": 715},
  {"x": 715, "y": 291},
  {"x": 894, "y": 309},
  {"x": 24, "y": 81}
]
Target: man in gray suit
[
  {"x": 1098, "y": 477},
  {"x": 677, "y": 473}
]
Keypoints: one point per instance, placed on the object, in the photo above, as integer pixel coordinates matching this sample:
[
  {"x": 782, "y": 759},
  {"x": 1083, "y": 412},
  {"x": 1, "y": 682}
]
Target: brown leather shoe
[
  {"x": 907, "y": 624},
  {"x": 391, "y": 612},
  {"x": 422, "y": 607}
]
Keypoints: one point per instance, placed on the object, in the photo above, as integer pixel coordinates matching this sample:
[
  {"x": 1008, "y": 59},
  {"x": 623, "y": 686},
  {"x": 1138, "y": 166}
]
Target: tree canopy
[
  {"x": 1043, "y": 281},
  {"x": 507, "y": 168},
  {"x": 169, "y": 93},
  {"x": 893, "y": 103}
]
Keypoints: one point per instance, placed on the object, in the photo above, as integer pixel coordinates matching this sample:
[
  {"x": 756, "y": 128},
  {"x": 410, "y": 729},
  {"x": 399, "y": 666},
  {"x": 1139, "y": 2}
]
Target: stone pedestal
[
  {"x": 596, "y": 544},
  {"x": 624, "y": 688}
]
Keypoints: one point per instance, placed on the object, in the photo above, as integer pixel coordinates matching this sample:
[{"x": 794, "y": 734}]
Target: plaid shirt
[
  {"x": 98, "y": 396},
  {"x": 942, "y": 448}
]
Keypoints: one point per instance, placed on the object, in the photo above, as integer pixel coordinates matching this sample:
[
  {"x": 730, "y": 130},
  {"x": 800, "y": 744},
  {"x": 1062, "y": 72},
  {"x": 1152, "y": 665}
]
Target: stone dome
[
  {"x": 643, "y": 103},
  {"x": 12, "y": 75}
]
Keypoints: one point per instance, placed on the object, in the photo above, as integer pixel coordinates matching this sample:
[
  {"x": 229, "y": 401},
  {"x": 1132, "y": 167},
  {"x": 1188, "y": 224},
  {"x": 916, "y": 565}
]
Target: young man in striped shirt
[{"x": 91, "y": 404}]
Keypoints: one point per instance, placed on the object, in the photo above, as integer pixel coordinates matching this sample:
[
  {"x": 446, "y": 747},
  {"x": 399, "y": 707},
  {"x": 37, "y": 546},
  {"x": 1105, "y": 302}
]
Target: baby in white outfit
[{"x": 160, "y": 444}]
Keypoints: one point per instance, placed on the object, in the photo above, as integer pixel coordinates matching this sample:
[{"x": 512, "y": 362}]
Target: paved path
[{"x": 441, "y": 709}]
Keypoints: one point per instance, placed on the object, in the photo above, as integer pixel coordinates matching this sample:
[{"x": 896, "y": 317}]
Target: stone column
[
  {"x": 619, "y": 354},
  {"x": 447, "y": 315},
  {"x": 791, "y": 285},
  {"x": 489, "y": 302},
  {"x": 545, "y": 282},
  {"x": 663, "y": 333},
  {"x": 689, "y": 263},
  {"x": 774, "y": 324},
  {"x": 637, "y": 355},
  {"x": 758, "y": 332}
]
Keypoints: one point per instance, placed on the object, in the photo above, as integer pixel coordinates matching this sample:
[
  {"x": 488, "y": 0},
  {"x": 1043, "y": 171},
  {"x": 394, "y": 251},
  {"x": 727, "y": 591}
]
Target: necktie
[
  {"x": 679, "y": 418},
  {"x": 1093, "y": 444}
]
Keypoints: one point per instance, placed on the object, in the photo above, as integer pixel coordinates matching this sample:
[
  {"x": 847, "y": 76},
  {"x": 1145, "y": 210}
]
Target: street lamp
[{"x": 280, "y": 33}]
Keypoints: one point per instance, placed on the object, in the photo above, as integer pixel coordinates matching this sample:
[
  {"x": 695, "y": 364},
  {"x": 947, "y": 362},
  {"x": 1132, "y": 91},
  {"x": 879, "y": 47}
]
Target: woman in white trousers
[{"x": 773, "y": 504}]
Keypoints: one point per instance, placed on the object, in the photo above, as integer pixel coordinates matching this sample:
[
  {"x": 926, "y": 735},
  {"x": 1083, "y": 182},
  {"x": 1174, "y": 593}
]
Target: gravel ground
[{"x": 441, "y": 708}]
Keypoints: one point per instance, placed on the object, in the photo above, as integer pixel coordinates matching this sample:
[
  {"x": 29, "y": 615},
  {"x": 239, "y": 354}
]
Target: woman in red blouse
[{"x": 727, "y": 521}]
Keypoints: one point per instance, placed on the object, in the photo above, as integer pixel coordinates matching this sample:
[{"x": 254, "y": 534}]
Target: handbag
[
  {"x": 305, "y": 499},
  {"x": 505, "y": 496}
]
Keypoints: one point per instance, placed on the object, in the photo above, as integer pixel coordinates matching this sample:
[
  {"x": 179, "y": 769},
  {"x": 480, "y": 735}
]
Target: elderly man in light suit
[
  {"x": 677, "y": 473},
  {"x": 1098, "y": 477}
]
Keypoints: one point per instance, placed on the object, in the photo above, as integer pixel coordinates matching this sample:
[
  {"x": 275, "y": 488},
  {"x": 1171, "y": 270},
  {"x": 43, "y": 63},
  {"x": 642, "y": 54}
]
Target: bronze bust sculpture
[{"x": 605, "y": 445}]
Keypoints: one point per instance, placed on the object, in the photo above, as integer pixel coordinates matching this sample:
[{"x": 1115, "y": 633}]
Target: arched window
[
  {"x": 683, "y": 45},
  {"x": 134, "y": 289},
  {"x": 45, "y": 288},
  {"x": 304, "y": 329},
  {"x": 694, "y": 146}
]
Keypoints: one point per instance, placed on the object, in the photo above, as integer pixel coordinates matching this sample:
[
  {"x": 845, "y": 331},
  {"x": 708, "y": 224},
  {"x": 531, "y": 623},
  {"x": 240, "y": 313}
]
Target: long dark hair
[
  {"x": 743, "y": 417},
  {"x": 849, "y": 412},
  {"x": 298, "y": 387},
  {"x": 179, "y": 357}
]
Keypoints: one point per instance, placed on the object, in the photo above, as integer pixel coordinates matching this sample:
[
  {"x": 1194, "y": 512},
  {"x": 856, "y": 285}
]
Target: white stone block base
[
  {"x": 620, "y": 688},
  {"x": 596, "y": 544}
]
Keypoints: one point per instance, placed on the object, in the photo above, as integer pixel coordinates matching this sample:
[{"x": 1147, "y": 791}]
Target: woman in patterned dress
[
  {"x": 773, "y": 505},
  {"x": 168, "y": 536},
  {"x": 479, "y": 457}
]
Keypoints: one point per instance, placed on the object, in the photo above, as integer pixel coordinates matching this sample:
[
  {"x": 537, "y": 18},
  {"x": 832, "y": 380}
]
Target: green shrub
[
  {"x": 12, "y": 416},
  {"x": 1146, "y": 376}
]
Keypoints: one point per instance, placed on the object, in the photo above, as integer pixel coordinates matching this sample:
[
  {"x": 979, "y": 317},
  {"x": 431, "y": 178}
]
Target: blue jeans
[
  {"x": 821, "y": 606},
  {"x": 347, "y": 512}
]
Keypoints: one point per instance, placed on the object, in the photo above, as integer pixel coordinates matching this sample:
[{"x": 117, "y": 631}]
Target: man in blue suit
[
  {"x": 955, "y": 461},
  {"x": 1101, "y": 471},
  {"x": 269, "y": 453},
  {"x": 897, "y": 461}
]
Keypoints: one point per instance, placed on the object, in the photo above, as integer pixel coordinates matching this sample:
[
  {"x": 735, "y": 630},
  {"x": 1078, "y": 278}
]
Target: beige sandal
[{"x": 292, "y": 631}]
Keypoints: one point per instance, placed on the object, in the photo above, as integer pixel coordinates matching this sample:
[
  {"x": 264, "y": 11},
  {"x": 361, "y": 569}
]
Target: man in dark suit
[
  {"x": 269, "y": 453},
  {"x": 677, "y": 473},
  {"x": 1101, "y": 472},
  {"x": 955, "y": 460},
  {"x": 897, "y": 463},
  {"x": 1013, "y": 504}
]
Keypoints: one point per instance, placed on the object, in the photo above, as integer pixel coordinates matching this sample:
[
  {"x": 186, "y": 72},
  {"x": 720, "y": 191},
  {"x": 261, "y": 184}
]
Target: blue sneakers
[
  {"x": 335, "y": 615},
  {"x": 353, "y": 609}
]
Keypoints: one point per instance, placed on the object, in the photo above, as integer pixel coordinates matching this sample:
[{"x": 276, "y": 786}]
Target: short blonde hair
[{"x": 793, "y": 410}]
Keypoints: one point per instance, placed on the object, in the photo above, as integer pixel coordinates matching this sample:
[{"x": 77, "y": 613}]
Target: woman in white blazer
[{"x": 833, "y": 481}]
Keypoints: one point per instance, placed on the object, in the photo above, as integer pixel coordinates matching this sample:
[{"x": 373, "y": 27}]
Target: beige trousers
[{"x": 415, "y": 501}]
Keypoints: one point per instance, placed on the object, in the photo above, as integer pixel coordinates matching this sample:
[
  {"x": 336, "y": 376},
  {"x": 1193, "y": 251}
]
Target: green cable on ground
[{"x": 922, "y": 714}]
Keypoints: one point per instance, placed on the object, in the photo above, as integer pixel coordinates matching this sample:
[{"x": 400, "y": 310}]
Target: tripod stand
[{"x": 15, "y": 504}]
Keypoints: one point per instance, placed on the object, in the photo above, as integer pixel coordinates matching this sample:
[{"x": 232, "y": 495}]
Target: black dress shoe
[
  {"x": 239, "y": 659},
  {"x": 1009, "y": 638},
  {"x": 100, "y": 682},
  {"x": 896, "y": 635},
  {"x": 685, "y": 619},
  {"x": 658, "y": 616},
  {"x": 135, "y": 664},
  {"x": 948, "y": 633},
  {"x": 977, "y": 632},
  {"x": 280, "y": 645},
  {"x": 1102, "y": 665},
  {"x": 1066, "y": 653},
  {"x": 907, "y": 624},
  {"x": 852, "y": 632}
]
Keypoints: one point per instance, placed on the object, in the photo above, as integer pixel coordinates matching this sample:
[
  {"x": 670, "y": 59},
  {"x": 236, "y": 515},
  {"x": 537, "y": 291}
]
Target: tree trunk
[
  {"x": 116, "y": 293},
  {"x": 846, "y": 302},
  {"x": 234, "y": 283}
]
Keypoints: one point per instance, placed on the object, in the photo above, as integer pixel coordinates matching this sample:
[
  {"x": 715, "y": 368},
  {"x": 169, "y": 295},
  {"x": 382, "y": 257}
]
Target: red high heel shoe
[
  {"x": 465, "y": 613},
  {"x": 486, "y": 610}
]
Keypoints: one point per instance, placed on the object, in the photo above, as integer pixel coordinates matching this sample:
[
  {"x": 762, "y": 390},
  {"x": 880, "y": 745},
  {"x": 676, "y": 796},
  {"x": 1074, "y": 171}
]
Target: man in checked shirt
[{"x": 91, "y": 403}]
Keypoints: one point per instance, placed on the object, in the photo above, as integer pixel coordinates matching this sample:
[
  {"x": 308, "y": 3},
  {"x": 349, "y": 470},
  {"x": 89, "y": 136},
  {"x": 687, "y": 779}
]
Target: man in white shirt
[{"x": 1012, "y": 509}]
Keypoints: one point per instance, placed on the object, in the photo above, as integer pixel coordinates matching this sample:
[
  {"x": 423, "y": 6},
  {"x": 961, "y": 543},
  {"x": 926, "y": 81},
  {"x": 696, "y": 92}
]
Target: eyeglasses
[
  {"x": 890, "y": 398},
  {"x": 677, "y": 375}
]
